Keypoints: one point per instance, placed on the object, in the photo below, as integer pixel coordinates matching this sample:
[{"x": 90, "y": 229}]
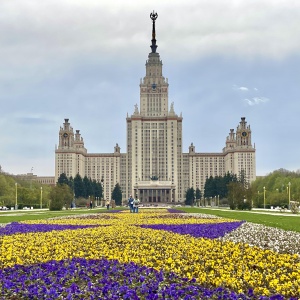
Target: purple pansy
[
  {"x": 16, "y": 227},
  {"x": 210, "y": 231},
  {"x": 175, "y": 211},
  {"x": 79, "y": 278}
]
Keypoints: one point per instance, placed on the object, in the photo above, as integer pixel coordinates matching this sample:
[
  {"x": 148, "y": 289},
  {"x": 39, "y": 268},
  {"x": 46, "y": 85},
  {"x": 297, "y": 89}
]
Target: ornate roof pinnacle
[{"x": 153, "y": 17}]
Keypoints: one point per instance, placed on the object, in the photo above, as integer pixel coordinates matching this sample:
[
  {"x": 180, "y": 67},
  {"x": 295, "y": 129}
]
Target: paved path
[{"x": 273, "y": 212}]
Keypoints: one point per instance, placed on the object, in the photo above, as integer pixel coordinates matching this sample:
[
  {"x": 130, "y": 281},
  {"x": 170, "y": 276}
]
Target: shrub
[
  {"x": 294, "y": 207},
  {"x": 81, "y": 202},
  {"x": 224, "y": 202},
  {"x": 59, "y": 196}
]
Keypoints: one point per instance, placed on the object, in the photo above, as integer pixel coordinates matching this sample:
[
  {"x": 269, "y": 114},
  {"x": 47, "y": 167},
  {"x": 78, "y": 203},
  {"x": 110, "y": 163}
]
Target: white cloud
[
  {"x": 240, "y": 88},
  {"x": 256, "y": 100},
  {"x": 243, "y": 88}
]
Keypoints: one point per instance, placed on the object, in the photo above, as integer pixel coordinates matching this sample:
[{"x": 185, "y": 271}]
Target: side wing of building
[{"x": 72, "y": 158}]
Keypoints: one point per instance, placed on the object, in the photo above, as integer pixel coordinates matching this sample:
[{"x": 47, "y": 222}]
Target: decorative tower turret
[
  {"x": 243, "y": 134},
  {"x": 239, "y": 154},
  {"x": 66, "y": 136}
]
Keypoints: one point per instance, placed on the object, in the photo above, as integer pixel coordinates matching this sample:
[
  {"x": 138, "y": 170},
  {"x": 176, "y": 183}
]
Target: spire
[{"x": 153, "y": 17}]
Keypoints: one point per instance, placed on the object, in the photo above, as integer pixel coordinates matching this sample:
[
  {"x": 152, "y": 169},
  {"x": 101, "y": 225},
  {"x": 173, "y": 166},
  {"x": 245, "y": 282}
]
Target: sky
[{"x": 83, "y": 60}]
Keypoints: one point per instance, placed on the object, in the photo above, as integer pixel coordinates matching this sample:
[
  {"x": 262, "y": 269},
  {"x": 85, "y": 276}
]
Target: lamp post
[
  {"x": 289, "y": 194},
  {"x": 16, "y": 206},
  {"x": 102, "y": 194},
  {"x": 264, "y": 197},
  {"x": 41, "y": 197}
]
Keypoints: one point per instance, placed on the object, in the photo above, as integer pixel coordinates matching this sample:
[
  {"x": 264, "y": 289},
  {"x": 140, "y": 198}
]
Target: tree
[
  {"x": 198, "y": 193},
  {"x": 198, "y": 196},
  {"x": 97, "y": 187},
  {"x": 239, "y": 197},
  {"x": 277, "y": 189},
  {"x": 63, "y": 179},
  {"x": 117, "y": 194},
  {"x": 4, "y": 190},
  {"x": 91, "y": 191},
  {"x": 242, "y": 178},
  {"x": 79, "y": 189},
  {"x": 59, "y": 196},
  {"x": 209, "y": 187},
  {"x": 218, "y": 186},
  {"x": 190, "y": 196},
  {"x": 87, "y": 187},
  {"x": 28, "y": 197},
  {"x": 71, "y": 183},
  {"x": 221, "y": 187}
]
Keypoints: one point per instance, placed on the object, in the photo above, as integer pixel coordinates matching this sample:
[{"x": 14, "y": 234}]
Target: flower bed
[{"x": 149, "y": 255}]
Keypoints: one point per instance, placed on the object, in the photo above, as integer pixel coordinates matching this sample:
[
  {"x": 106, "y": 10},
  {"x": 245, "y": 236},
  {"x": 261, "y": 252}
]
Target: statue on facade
[{"x": 136, "y": 109}]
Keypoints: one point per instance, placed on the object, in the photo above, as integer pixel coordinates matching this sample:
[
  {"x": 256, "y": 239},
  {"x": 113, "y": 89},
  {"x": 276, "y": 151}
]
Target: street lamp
[
  {"x": 41, "y": 197},
  {"x": 16, "y": 206},
  {"x": 264, "y": 197},
  {"x": 289, "y": 194}
]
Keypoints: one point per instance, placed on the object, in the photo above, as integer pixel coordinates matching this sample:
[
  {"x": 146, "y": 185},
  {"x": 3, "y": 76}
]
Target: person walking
[
  {"x": 91, "y": 204},
  {"x": 136, "y": 203},
  {"x": 107, "y": 204},
  {"x": 130, "y": 203}
]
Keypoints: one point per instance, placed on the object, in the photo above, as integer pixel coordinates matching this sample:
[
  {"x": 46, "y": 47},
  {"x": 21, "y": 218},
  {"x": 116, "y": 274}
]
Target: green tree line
[
  {"x": 82, "y": 187},
  {"x": 23, "y": 193},
  {"x": 276, "y": 189},
  {"x": 87, "y": 188}
]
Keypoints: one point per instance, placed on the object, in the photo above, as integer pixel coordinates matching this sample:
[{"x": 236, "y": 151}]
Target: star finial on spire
[{"x": 153, "y": 17}]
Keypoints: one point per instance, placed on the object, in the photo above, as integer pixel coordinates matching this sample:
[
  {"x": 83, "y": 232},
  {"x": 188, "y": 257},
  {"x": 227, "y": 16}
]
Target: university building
[{"x": 154, "y": 166}]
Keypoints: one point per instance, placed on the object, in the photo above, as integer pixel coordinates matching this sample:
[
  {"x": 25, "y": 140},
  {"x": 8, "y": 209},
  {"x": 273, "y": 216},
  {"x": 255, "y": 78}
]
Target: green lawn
[{"x": 287, "y": 222}]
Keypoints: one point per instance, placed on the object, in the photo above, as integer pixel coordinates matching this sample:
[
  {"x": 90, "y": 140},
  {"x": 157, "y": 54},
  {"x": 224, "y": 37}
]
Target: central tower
[
  {"x": 154, "y": 136},
  {"x": 154, "y": 87}
]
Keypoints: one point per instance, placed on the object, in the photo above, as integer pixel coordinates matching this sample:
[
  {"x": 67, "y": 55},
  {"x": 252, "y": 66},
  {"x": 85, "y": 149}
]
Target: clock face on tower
[
  {"x": 65, "y": 135},
  {"x": 244, "y": 133}
]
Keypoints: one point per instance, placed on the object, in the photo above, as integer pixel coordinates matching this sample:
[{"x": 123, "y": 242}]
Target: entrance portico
[{"x": 155, "y": 191}]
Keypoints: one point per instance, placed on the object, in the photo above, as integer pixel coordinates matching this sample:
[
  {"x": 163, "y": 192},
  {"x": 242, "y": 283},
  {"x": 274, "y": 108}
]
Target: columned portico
[{"x": 155, "y": 191}]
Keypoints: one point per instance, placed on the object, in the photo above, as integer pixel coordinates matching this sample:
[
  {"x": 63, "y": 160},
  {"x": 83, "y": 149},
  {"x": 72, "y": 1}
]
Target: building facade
[
  {"x": 154, "y": 166},
  {"x": 48, "y": 180}
]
